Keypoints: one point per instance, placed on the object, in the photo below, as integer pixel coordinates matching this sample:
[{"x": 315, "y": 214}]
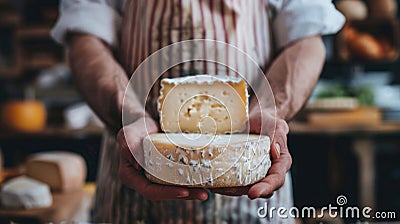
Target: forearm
[
  {"x": 100, "y": 79},
  {"x": 294, "y": 73}
]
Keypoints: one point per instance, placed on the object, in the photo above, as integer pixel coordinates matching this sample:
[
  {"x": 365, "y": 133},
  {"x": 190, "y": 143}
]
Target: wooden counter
[{"x": 313, "y": 129}]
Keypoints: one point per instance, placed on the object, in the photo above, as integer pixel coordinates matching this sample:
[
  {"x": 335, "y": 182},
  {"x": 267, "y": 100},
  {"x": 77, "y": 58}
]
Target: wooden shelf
[
  {"x": 373, "y": 129},
  {"x": 39, "y": 63},
  {"x": 34, "y": 32},
  {"x": 55, "y": 132},
  {"x": 6, "y": 2},
  {"x": 10, "y": 19},
  {"x": 9, "y": 72}
]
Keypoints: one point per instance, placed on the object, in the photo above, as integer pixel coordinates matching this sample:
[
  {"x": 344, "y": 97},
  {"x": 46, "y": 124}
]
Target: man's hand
[
  {"x": 281, "y": 163},
  {"x": 131, "y": 173}
]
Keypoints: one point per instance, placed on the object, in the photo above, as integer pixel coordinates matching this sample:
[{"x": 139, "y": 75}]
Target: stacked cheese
[
  {"x": 55, "y": 171},
  {"x": 200, "y": 115}
]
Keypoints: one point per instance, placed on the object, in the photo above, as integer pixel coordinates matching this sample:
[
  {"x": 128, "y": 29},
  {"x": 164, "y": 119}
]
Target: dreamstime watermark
[{"x": 332, "y": 211}]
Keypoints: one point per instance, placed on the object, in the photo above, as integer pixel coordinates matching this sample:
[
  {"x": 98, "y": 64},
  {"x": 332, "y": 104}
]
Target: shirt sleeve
[
  {"x": 296, "y": 19},
  {"x": 97, "y": 17}
]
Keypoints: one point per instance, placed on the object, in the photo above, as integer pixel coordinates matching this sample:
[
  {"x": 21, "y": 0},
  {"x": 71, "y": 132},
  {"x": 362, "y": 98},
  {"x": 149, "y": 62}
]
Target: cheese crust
[{"x": 211, "y": 161}]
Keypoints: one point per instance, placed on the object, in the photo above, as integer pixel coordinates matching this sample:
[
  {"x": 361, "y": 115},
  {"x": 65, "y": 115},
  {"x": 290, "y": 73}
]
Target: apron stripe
[
  {"x": 204, "y": 36},
  {"x": 255, "y": 32},
  {"x": 214, "y": 30},
  {"x": 180, "y": 35},
  {"x": 144, "y": 39},
  {"x": 136, "y": 46},
  {"x": 160, "y": 25},
  {"x": 131, "y": 27},
  {"x": 236, "y": 42},
  {"x": 225, "y": 36},
  {"x": 193, "y": 25},
  {"x": 171, "y": 20}
]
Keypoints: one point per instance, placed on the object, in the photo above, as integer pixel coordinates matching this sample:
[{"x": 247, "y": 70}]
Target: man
[{"x": 95, "y": 29}]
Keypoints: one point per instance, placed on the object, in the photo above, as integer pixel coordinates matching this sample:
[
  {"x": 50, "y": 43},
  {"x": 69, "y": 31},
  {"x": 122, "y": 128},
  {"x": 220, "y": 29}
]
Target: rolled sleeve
[
  {"x": 296, "y": 19},
  {"x": 92, "y": 17}
]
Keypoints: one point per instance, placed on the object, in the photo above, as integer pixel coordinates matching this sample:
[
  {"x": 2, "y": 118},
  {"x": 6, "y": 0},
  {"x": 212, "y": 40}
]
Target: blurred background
[{"x": 346, "y": 140}]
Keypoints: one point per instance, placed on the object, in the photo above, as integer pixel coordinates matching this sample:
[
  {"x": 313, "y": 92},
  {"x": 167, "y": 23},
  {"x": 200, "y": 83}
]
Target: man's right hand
[{"x": 131, "y": 173}]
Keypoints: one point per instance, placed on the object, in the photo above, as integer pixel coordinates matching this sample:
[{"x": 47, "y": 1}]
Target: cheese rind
[
  {"x": 24, "y": 192},
  {"x": 211, "y": 161},
  {"x": 203, "y": 104},
  {"x": 62, "y": 171}
]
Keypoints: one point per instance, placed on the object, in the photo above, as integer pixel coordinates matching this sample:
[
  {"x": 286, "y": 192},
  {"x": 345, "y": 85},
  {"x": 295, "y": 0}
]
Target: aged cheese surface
[
  {"x": 24, "y": 192},
  {"x": 211, "y": 161},
  {"x": 62, "y": 171},
  {"x": 203, "y": 104}
]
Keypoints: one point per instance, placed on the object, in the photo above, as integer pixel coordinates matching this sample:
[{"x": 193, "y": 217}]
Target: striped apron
[{"x": 148, "y": 26}]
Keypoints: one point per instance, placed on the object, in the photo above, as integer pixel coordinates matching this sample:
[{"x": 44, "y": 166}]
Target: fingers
[
  {"x": 131, "y": 148},
  {"x": 279, "y": 141},
  {"x": 281, "y": 163},
  {"x": 274, "y": 179},
  {"x": 130, "y": 139},
  {"x": 197, "y": 194},
  {"x": 132, "y": 176},
  {"x": 231, "y": 191},
  {"x": 136, "y": 180},
  {"x": 266, "y": 187},
  {"x": 281, "y": 159}
]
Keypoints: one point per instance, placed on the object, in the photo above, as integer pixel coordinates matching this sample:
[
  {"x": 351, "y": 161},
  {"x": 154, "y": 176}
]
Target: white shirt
[{"x": 292, "y": 19}]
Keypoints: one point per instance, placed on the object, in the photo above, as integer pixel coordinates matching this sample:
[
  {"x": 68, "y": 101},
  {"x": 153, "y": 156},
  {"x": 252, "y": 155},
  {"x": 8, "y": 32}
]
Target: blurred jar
[{"x": 382, "y": 9}]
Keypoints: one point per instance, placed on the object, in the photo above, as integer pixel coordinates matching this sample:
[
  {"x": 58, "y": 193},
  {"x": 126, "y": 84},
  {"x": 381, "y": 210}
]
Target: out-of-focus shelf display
[
  {"x": 26, "y": 46},
  {"x": 9, "y": 49},
  {"x": 57, "y": 132},
  {"x": 360, "y": 77},
  {"x": 372, "y": 40},
  {"x": 366, "y": 98},
  {"x": 370, "y": 35}
]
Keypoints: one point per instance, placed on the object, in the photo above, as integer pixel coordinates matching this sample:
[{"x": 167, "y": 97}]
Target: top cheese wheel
[{"x": 203, "y": 104}]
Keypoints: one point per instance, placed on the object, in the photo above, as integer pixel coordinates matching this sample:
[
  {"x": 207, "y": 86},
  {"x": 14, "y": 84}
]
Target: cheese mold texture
[
  {"x": 203, "y": 104},
  {"x": 199, "y": 160},
  {"x": 25, "y": 193},
  {"x": 62, "y": 171}
]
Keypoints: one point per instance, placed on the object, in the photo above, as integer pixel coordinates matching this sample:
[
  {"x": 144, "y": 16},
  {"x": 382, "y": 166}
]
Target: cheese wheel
[
  {"x": 203, "y": 104},
  {"x": 24, "y": 116},
  {"x": 26, "y": 193},
  {"x": 212, "y": 161},
  {"x": 62, "y": 171}
]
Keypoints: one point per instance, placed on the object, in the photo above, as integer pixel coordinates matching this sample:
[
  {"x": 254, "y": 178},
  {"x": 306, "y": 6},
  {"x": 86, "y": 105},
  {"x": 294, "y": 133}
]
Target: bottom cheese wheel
[{"x": 211, "y": 161}]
